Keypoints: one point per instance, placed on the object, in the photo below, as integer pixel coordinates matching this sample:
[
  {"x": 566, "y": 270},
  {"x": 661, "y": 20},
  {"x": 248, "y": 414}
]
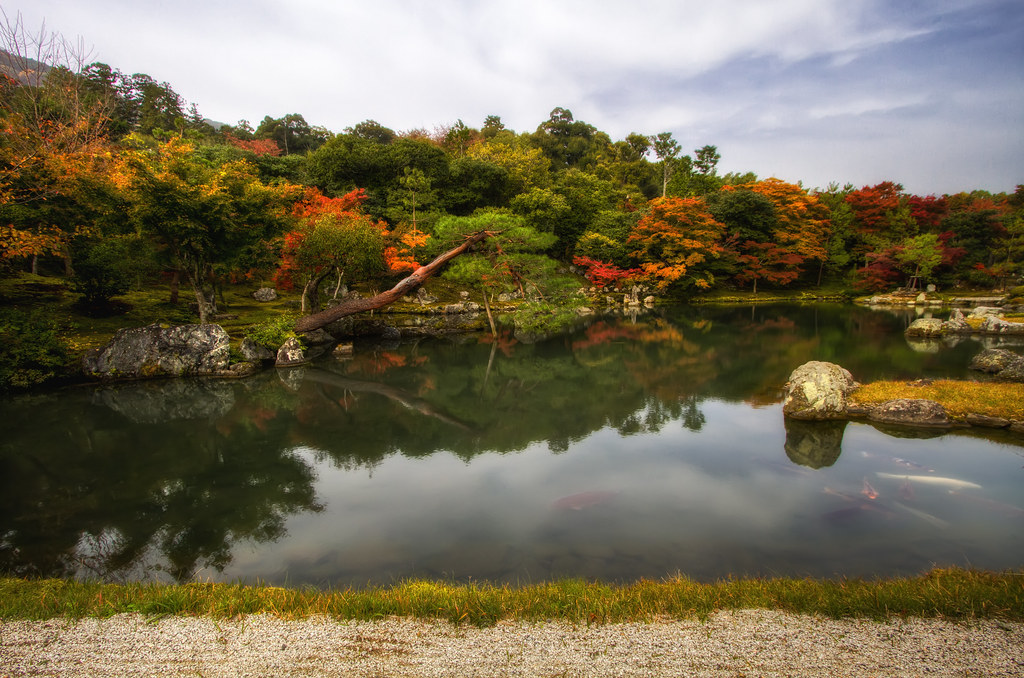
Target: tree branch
[{"x": 406, "y": 285}]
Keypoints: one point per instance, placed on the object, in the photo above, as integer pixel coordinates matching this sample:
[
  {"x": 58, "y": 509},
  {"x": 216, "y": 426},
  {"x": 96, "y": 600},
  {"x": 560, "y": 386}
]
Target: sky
[{"x": 927, "y": 93}]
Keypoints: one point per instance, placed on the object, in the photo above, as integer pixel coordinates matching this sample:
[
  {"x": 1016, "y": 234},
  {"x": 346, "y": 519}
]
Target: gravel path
[{"x": 746, "y": 643}]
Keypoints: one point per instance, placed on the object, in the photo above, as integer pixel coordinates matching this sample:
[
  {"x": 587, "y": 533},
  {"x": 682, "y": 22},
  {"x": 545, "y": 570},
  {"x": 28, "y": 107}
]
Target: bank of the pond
[
  {"x": 946, "y": 622},
  {"x": 994, "y": 404},
  {"x": 947, "y": 593}
]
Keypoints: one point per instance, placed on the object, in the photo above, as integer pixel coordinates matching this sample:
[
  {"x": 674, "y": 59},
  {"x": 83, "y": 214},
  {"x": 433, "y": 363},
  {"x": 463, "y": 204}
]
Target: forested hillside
[{"x": 111, "y": 180}]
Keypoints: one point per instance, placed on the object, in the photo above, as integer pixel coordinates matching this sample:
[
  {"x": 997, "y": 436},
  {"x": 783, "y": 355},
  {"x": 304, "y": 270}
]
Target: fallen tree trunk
[{"x": 406, "y": 285}]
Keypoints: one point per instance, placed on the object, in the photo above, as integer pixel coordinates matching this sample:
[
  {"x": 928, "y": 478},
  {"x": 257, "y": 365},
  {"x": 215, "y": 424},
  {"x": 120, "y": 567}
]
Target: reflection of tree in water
[{"x": 91, "y": 492}]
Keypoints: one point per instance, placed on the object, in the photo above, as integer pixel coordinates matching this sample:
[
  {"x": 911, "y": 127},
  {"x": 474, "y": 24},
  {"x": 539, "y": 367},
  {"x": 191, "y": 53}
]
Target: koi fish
[
  {"x": 900, "y": 461},
  {"x": 583, "y": 500},
  {"x": 869, "y": 491},
  {"x": 931, "y": 480}
]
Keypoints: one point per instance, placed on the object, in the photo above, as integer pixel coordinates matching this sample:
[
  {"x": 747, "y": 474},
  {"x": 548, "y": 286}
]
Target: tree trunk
[
  {"x": 311, "y": 292},
  {"x": 175, "y": 286},
  {"x": 405, "y": 286}
]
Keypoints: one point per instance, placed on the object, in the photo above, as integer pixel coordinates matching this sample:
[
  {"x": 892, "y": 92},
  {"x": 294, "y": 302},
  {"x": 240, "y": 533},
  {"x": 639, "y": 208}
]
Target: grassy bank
[
  {"x": 960, "y": 398},
  {"x": 945, "y": 593}
]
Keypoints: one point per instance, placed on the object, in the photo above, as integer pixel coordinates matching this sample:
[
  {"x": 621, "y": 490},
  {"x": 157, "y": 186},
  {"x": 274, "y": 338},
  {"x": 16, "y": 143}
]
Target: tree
[
  {"x": 52, "y": 138},
  {"x": 292, "y": 133},
  {"x": 767, "y": 261},
  {"x": 341, "y": 242},
  {"x": 923, "y": 253},
  {"x": 209, "y": 219},
  {"x": 666, "y": 148},
  {"x": 676, "y": 242}
]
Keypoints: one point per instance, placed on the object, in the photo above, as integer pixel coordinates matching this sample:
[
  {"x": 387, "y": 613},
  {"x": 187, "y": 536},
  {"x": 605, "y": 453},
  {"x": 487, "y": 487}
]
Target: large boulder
[
  {"x": 910, "y": 412},
  {"x": 995, "y": 360},
  {"x": 925, "y": 327},
  {"x": 155, "y": 351},
  {"x": 265, "y": 294},
  {"x": 997, "y": 325},
  {"x": 818, "y": 390}
]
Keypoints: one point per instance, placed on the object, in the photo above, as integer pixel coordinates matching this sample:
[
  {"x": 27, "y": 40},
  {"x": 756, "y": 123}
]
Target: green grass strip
[{"x": 944, "y": 593}]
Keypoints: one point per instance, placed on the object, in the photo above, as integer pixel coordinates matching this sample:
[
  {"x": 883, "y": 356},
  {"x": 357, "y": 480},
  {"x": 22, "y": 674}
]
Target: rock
[
  {"x": 464, "y": 295},
  {"x": 818, "y": 390},
  {"x": 292, "y": 353},
  {"x": 931, "y": 288},
  {"x": 649, "y": 301},
  {"x": 910, "y": 412},
  {"x": 981, "y": 311},
  {"x": 987, "y": 422},
  {"x": 265, "y": 294},
  {"x": 956, "y": 322},
  {"x": 993, "y": 360},
  {"x": 343, "y": 349},
  {"x": 254, "y": 352},
  {"x": 925, "y": 327},
  {"x": 1014, "y": 373},
  {"x": 154, "y": 351},
  {"x": 317, "y": 337},
  {"x": 424, "y": 297},
  {"x": 454, "y": 308},
  {"x": 997, "y": 325}
]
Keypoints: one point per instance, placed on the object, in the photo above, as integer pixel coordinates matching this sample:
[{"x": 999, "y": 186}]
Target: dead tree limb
[{"x": 406, "y": 285}]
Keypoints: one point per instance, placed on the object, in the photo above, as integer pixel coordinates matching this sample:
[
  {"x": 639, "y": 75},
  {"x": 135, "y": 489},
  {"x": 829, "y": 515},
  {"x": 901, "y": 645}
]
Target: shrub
[
  {"x": 32, "y": 349},
  {"x": 272, "y": 333}
]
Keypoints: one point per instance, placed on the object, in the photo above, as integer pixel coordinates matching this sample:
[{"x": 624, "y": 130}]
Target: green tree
[
  {"x": 921, "y": 254},
  {"x": 666, "y": 149},
  {"x": 209, "y": 219}
]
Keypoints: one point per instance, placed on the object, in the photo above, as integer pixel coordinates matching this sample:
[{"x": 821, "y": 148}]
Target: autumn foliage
[{"x": 675, "y": 242}]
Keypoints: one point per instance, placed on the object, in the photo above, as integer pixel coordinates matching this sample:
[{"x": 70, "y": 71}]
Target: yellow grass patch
[{"x": 960, "y": 398}]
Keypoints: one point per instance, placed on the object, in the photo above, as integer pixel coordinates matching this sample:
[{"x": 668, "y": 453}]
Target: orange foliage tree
[
  {"x": 334, "y": 236},
  {"x": 676, "y": 243}
]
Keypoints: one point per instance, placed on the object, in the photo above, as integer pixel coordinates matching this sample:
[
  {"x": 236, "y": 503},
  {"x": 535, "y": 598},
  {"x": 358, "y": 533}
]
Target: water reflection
[{"x": 631, "y": 449}]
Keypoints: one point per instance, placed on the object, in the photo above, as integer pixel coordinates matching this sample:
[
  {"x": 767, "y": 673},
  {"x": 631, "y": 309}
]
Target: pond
[{"x": 635, "y": 448}]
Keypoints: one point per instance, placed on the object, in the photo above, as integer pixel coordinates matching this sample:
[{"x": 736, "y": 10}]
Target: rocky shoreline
[{"x": 820, "y": 391}]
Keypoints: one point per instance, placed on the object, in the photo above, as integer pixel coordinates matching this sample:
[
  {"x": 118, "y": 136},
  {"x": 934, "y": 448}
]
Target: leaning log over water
[{"x": 405, "y": 286}]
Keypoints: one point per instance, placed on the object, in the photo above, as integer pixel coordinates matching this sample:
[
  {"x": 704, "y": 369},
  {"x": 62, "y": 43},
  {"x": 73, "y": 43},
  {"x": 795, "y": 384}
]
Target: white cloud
[{"x": 759, "y": 79}]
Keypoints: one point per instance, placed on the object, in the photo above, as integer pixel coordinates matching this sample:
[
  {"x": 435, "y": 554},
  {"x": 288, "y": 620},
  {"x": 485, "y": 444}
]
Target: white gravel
[{"x": 746, "y": 643}]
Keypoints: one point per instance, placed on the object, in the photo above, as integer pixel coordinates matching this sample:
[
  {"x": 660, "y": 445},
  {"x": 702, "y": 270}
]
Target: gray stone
[
  {"x": 956, "y": 322},
  {"x": 454, "y": 308},
  {"x": 910, "y": 412},
  {"x": 292, "y": 353},
  {"x": 265, "y": 294},
  {"x": 993, "y": 360},
  {"x": 154, "y": 351},
  {"x": 254, "y": 352},
  {"x": 1014, "y": 373},
  {"x": 981, "y": 311},
  {"x": 997, "y": 325},
  {"x": 317, "y": 337},
  {"x": 925, "y": 327},
  {"x": 987, "y": 422},
  {"x": 425, "y": 297},
  {"x": 818, "y": 390}
]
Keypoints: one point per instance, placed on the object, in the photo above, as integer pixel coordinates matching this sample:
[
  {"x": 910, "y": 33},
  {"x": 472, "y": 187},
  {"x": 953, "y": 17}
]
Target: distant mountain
[{"x": 22, "y": 69}]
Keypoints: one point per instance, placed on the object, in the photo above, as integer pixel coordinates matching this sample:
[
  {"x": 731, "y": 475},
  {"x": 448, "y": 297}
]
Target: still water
[{"x": 634, "y": 448}]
